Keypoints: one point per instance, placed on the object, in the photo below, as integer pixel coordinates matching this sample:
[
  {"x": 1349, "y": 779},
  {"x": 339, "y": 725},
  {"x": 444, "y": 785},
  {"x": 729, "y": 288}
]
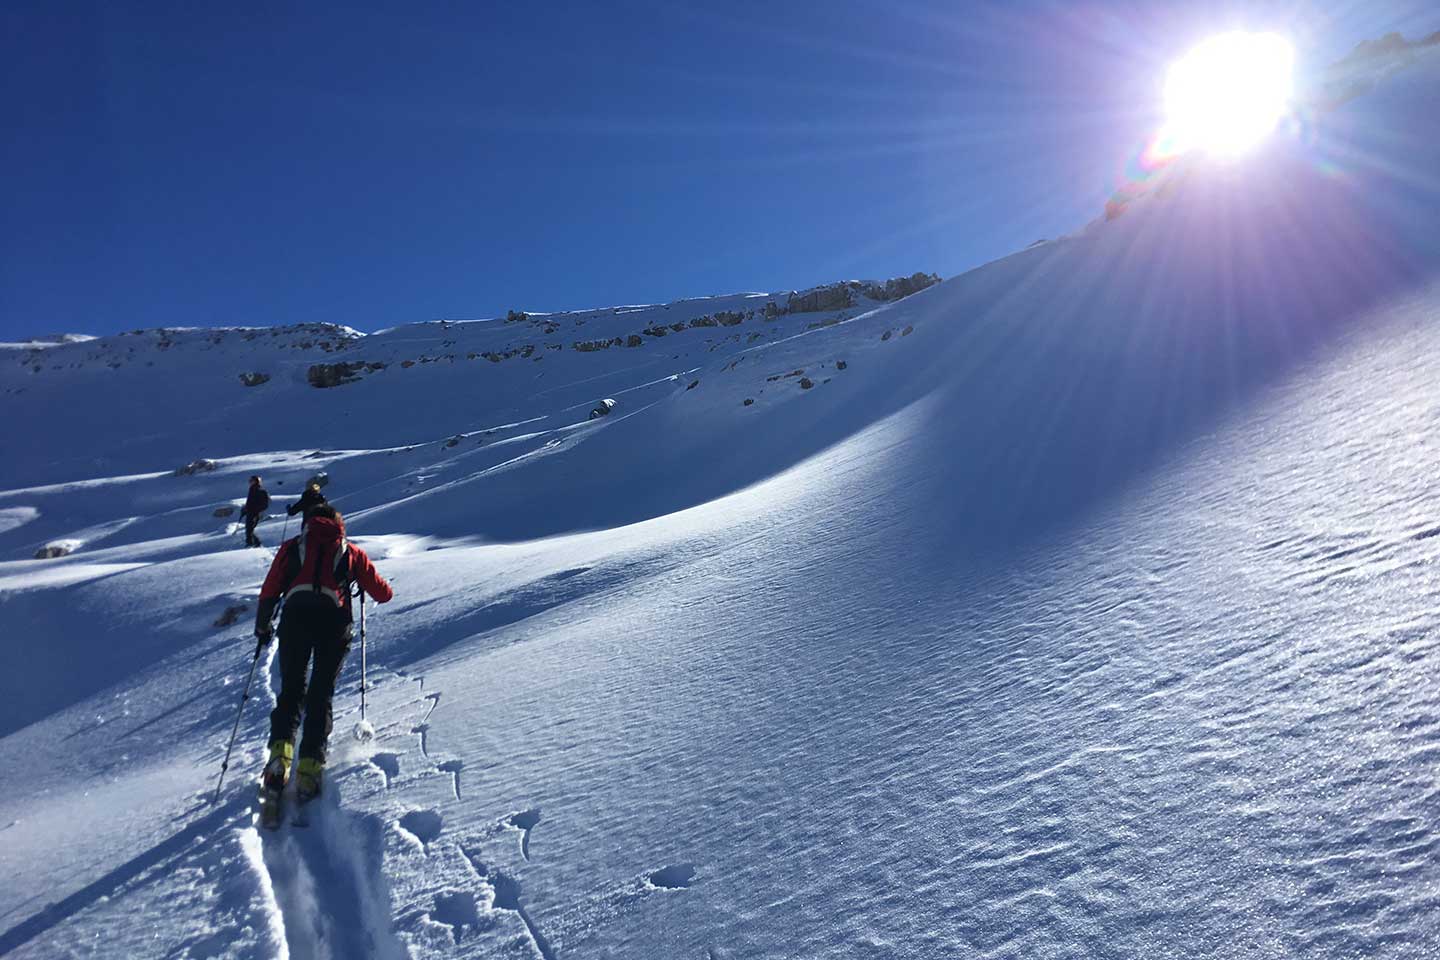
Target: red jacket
[{"x": 316, "y": 550}]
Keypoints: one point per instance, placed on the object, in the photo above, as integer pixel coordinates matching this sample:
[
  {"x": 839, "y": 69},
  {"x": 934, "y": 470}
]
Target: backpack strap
[
  {"x": 341, "y": 570},
  {"x": 294, "y": 562}
]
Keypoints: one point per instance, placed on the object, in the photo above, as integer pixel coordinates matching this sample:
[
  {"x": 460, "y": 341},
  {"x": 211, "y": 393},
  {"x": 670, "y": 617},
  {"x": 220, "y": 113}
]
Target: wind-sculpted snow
[{"x": 1082, "y": 605}]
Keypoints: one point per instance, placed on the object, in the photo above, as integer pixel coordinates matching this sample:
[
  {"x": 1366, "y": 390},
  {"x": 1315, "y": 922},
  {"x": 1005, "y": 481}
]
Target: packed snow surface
[{"x": 1082, "y": 605}]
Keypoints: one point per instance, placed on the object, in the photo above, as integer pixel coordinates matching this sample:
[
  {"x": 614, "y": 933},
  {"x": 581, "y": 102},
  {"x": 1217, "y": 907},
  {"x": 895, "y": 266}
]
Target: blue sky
[{"x": 383, "y": 163}]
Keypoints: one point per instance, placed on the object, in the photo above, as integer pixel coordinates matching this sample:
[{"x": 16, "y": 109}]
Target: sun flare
[{"x": 1229, "y": 92}]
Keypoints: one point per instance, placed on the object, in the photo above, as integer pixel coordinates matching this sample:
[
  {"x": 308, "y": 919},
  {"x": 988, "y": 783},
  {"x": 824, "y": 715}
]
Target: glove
[{"x": 264, "y": 633}]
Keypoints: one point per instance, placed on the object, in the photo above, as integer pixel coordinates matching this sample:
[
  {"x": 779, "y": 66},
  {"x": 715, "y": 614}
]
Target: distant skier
[
  {"x": 256, "y": 503},
  {"x": 602, "y": 409},
  {"x": 308, "y": 502},
  {"x": 313, "y": 573}
]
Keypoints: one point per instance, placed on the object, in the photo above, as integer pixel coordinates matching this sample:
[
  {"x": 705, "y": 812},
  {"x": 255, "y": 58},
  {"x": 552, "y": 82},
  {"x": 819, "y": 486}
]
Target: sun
[{"x": 1229, "y": 92}]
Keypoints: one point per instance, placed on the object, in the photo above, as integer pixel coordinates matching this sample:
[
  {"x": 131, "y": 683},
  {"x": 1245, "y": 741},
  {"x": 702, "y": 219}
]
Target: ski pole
[
  {"x": 362, "y": 730},
  {"x": 245, "y": 695},
  {"x": 362, "y": 655}
]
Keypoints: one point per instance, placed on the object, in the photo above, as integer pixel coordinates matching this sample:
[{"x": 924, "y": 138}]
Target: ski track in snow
[{"x": 450, "y": 894}]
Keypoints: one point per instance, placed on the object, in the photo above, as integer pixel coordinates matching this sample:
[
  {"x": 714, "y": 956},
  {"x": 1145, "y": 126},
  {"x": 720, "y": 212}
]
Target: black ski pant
[
  {"x": 250, "y": 539},
  {"x": 310, "y": 628}
]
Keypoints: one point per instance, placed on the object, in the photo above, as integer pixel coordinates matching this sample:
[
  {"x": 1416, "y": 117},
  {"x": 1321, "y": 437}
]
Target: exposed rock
[
  {"x": 693, "y": 384},
  {"x": 773, "y": 310},
  {"x": 907, "y": 331},
  {"x": 835, "y": 297},
  {"x": 406, "y": 364},
  {"x": 195, "y": 466},
  {"x": 52, "y": 550},
  {"x": 516, "y": 316},
  {"x": 454, "y": 441},
  {"x": 254, "y": 379},
  {"x": 900, "y": 287},
  {"x": 1390, "y": 43},
  {"x": 806, "y": 383},
  {"x": 223, "y": 512},
  {"x": 841, "y": 364},
  {"x": 748, "y": 401},
  {"x": 324, "y": 375},
  {"x": 634, "y": 340},
  {"x": 587, "y": 346},
  {"x": 230, "y": 616},
  {"x": 887, "y": 335}
]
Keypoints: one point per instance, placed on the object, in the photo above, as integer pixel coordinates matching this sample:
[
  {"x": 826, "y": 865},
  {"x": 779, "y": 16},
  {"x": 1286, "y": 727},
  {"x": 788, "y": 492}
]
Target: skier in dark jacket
[
  {"x": 309, "y": 500},
  {"x": 313, "y": 572},
  {"x": 256, "y": 503}
]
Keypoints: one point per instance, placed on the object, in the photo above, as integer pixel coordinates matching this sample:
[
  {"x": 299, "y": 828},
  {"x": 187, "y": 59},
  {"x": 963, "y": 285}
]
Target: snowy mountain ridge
[{"x": 1080, "y": 605}]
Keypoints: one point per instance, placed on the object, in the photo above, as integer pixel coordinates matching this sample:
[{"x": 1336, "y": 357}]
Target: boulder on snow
[
  {"x": 602, "y": 409},
  {"x": 230, "y": 615},
  {"x": 60, "y": 548},
  {"x": 223, "y": 511},
  {"x": 334, "y": 374},
  {"x": 254, "y": 379},
  {"x": 195, "y": 466}
]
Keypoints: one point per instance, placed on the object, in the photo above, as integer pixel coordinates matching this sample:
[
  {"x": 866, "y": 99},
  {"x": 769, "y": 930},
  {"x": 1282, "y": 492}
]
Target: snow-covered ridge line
[{"x": 334, "y": 336}]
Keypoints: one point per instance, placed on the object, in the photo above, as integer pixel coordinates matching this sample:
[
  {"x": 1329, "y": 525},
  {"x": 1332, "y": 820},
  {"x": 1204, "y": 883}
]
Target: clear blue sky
[{"x": 374, "y": 164}]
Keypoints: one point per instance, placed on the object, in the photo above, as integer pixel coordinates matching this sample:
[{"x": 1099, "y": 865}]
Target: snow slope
[{"x": 1082, "y": 605}]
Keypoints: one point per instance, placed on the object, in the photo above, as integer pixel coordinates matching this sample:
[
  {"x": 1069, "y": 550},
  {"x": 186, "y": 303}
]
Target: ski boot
[
  {"x": 272, "y": 782},
  {"x": 308, "y": 778},
  {"x": 277, "y": 771}
]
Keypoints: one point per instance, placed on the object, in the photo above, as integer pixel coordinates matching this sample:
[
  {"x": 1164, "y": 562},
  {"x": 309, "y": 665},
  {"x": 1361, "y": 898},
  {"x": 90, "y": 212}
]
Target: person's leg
[
  {"x": 250, "y": 539},
  {"x": 319, "y": 714},
  {"x": 294, "y": 656}
]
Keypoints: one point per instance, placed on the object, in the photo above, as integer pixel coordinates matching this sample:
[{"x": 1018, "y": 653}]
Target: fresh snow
[{"x": 1082, "y": 605}]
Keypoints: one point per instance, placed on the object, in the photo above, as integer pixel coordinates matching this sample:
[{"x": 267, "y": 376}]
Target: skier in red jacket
[{"x": 313, "y": 573}]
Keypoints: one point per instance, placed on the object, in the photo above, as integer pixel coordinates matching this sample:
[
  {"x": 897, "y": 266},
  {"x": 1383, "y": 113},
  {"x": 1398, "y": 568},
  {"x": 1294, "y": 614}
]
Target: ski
[
  {"x": 271, "y": 809},
  {"x": 303, "y": 803}
]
